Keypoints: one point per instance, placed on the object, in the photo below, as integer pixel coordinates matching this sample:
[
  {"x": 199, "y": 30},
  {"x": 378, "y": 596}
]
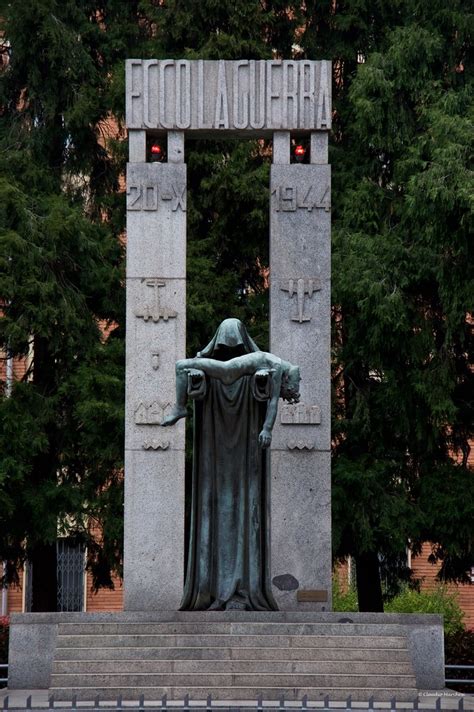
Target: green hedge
[
  {"x": 343, "y": 600},
  {"x": 440, "y": 601}
]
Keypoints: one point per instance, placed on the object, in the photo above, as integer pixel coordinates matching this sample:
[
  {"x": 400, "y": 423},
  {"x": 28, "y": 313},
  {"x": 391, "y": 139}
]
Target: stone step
[
  {"x": 223, "y": 640},
  {"x": 231, "y": 660},
  {"x": 230, "y": 666},
  {"x": 300, "y": 680},
  {"x": 234, "y": 693},
  {"x": 237, "y": 616},
  {"x": 223, "y": 627},
  {"x": 229, "y": 653}
]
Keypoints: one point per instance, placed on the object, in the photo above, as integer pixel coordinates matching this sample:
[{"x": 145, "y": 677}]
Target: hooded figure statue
[{"x": 227, "y": 566}]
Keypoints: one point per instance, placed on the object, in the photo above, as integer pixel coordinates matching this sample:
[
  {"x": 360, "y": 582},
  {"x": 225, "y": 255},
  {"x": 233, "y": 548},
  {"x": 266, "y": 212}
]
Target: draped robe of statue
[{"x": 228, "y": 543}]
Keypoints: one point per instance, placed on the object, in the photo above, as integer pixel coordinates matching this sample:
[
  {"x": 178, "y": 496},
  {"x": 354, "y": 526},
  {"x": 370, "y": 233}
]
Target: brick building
[
  {"x": 15, "y": 599},
  {"x": 75, "y": 590}
]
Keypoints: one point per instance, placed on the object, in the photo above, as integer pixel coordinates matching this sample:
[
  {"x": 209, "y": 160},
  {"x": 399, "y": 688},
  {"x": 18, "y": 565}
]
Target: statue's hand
[
  {"x": 265, "y": 438},
  {"x": 264, "y": 372}
]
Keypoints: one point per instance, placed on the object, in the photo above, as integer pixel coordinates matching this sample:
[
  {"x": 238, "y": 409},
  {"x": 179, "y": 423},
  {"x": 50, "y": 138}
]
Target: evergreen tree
[
  {"x": 62, "y": 426},
  {"x": 402, "y": 200},
  {"x": 402, "y": 280},
  {"x": 60, "y": 282},
  {"x": 402, "y": 271}
]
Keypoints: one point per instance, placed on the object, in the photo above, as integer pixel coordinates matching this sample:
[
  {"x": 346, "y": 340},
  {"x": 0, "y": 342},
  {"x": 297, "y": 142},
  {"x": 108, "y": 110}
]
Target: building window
[
  {"x": 70, "y": 574},
  {"x": 71, "y": 570}
]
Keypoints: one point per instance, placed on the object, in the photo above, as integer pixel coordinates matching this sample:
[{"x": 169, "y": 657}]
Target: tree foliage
[
  {"x": 403, "y": 286},
  {"x": 401, "y": 151},
  {"x": 60, "y": 283}
]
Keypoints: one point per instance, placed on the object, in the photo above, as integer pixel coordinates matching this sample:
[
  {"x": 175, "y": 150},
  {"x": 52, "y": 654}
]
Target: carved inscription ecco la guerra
[
  {"x": 147, "y": 196},
  {"x": 244, "y": 94},
  {"x": 290, "y": 198},
  {"x": 301, "y": 287},
  {"x": 154, "y": 312},
  {"x": 300, "y": 414}
]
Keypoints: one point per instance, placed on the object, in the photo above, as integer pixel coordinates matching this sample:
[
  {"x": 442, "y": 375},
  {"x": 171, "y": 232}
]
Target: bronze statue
[{"x": 235, "y": 388}]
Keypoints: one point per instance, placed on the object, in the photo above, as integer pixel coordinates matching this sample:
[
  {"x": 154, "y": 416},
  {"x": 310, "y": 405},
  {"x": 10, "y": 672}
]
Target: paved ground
[{"x": 448, "y": 701}]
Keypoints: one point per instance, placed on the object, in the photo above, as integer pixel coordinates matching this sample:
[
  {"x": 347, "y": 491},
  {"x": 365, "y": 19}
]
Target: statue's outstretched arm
[
  {"x": 228, "y": 372},
  {"x": 225, "y": 371}
]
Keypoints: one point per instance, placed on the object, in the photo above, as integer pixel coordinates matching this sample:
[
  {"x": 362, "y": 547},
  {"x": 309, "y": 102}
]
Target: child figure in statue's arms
[{"x": 285, "y": 383}]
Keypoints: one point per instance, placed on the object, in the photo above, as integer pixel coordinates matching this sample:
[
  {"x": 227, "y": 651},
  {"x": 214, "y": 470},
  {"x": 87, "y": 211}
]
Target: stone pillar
[
  {"x": 155, "y": 338},
  {"x": 300, "y": 303}
]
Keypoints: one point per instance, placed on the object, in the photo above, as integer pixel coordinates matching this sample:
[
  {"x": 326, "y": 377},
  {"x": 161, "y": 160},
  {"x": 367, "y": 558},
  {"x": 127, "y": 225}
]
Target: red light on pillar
[
  {"x": 300, "y": 152},
  {"x": 156, "y": 152}
]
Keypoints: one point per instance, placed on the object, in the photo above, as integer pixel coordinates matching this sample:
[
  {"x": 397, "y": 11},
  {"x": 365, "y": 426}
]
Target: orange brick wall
[
  {"x": 112, "y": 600},
  {"x": 19, "y": 368},
  {"x": 341, "y": 572},
  {"x": 105, "y": 599},
  {"x": 425, "y": 571},
  {"x": 15, "y": 599},
  {"x": 14, "y": 595}
]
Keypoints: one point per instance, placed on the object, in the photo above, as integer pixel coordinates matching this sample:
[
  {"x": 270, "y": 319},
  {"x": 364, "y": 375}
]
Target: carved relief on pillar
[
  {"x": 291, "y": 198},
  {"x": 301, "y": 287},
  {"x": 147, "y": 196},
  {"x": 300, "y": 414},
  {"x": 151, "y": 413},
  {"x": 300, "y": 444},
  {"x": 154, "y": 444},
  {"x": 155, "y": 360},
  {"x": 155, "y": 311}
]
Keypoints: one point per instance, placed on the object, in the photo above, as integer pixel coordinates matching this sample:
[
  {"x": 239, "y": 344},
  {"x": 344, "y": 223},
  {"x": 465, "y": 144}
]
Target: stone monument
[
  {"x": 81, "y": 655},
  {"x": 246, "y": 98}
]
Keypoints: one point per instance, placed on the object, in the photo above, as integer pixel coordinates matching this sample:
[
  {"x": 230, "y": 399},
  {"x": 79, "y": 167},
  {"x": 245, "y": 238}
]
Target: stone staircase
[{"x": 231, "y": 660}]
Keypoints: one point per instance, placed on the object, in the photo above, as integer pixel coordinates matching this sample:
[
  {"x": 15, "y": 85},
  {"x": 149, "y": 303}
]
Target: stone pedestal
[
  {"x": 300, "y": 303},
  {"x": 47, "y": 650},
  {"x": 156, "y": 333},
  {"x": 233, "y": 655}
]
